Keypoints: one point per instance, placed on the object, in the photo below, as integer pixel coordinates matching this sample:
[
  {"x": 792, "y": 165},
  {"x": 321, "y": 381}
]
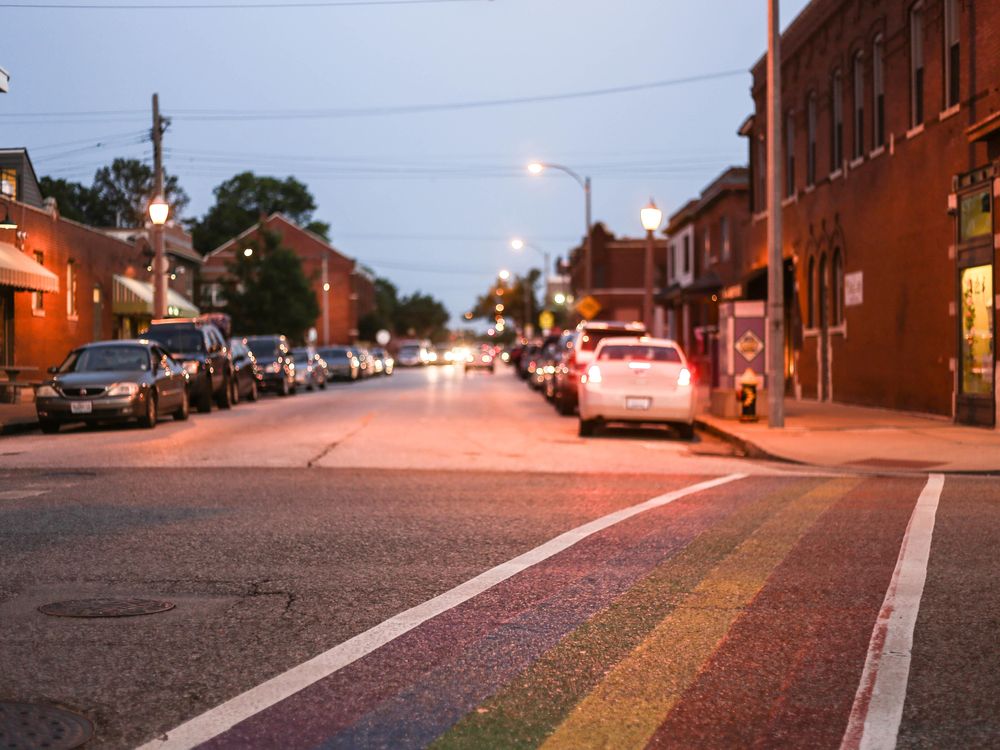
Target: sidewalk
[
  {"x": 836, "y": 435},
  {"x": 17, "y": 417}
]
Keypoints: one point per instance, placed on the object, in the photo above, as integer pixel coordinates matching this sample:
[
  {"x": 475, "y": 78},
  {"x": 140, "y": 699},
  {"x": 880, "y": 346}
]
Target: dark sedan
[
  {"x": 274, "y": 358},
  {"x": 113, "y": 381},
  {"x": 341, "y": 362},
  {"x": 247, "y": 374}
]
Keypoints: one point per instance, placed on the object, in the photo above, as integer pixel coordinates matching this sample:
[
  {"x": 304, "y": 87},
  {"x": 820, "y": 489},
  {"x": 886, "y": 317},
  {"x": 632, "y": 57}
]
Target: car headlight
[
  {"x": 275, "y": 367},
  {"x": 192, "y": 366},
  {"x": 46, "y": 391},
  {"x": 123, "y": 389}
]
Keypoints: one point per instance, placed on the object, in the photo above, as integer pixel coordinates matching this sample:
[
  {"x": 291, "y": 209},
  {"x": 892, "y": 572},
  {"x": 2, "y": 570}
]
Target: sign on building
[{"x": 854, "y": 288}]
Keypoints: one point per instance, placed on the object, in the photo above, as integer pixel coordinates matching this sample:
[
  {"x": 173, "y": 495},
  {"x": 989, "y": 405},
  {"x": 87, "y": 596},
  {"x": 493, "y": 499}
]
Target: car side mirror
[{"x": 52, "y": 370}]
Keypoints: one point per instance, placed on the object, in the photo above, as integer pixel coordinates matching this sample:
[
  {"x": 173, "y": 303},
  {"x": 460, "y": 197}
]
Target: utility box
[{"x": 742, "y": 348}]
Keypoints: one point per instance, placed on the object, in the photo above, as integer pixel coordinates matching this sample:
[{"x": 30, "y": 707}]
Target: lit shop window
[
  {"x": 975, "y": 215},
  {"x": 977, "y": 330}
]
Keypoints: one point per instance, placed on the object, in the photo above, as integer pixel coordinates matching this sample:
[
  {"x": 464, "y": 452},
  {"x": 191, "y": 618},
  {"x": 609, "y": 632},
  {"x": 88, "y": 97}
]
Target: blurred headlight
[
  {"x": 593, "y": 375},
  {"x": 46, "y": 391},
  {"x": 123, "y": 389},
  {"x": 191, "y": 366}
]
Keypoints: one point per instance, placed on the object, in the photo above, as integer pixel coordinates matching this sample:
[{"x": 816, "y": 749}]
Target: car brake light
[
  {"x": 684, "y": 377},
  {"x": 593, "y": 375}
]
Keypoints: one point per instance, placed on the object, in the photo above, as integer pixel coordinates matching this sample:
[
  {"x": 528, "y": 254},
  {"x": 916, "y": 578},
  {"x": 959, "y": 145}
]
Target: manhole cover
[
  {"x": 105, "y": 608},
  {"x": 33, "y": 725}
]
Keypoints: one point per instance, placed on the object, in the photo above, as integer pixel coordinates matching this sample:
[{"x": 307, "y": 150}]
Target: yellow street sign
[
  {"x": 546, "y": 320},
  {"x": 588, "y": 307}
]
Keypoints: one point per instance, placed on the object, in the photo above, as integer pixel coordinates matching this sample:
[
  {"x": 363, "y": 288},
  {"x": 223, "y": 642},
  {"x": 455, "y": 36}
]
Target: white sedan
[{"x": 640, "y": 381}]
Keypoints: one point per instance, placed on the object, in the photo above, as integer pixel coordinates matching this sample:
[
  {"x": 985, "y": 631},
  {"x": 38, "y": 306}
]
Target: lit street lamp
[
  {"x": 517, "y": 244},
  {"x": 504, "y": 275},
  {"x": 651, "y": 218},
  {"x": 537, "y": 168},
  {"x": 159, "y": 210}
]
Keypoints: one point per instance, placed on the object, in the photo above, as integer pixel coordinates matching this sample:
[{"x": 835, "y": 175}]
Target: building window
[
  {"x": 762, "y": 174},
  {"x": 811, "y": 295},
  {"x": 71, "y": 289},
  {"x": 859, "y": 105},
  {"x": 836, "y": 121},
  {"x": 687, "y": 253},
  {"x": 724, "y": 238},
  {"x": 707, "y": 240},
  {"x": 811, "y": 135},
  {"x": 837, "y": 288},
  {"x": 38, "y": 298},
  {"x": 952, "y": 57},
  {"x": 8, "y": 183},
  {"x": 916, "y": 65},
  {"x": 790, "y": 154},
  {"x": 878, "y": 91}
]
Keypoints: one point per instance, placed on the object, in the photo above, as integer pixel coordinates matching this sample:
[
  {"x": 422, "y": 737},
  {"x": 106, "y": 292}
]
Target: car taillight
[
  {"x": 593, "y": 375},
  {"x": 684, "y": 377}
]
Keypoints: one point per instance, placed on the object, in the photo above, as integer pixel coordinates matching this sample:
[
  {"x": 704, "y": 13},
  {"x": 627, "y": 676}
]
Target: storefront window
[
  {"x": 975, "y": 215},
  {"x": 977, "y": 330}
]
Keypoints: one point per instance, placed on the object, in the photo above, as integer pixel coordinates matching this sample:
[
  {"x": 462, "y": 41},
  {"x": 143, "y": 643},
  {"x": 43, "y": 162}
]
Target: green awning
[{"x": 134, "y": 297}]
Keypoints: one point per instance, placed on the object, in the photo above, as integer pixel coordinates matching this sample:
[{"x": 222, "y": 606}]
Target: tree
[
  {"x": 75, "y": 200},
  {"x": 516, "y": 292},
  {"x": 421, "y": 316},
  {"x": 240, "y": 202},
  {"x": 121, "y": 194},
  {"x": 268, "y": 292},
  {"x": 383, "y": 316}
]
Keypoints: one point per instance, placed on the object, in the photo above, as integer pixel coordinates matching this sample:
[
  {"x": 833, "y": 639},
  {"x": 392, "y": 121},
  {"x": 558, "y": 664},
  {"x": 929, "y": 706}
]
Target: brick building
[
  {"x": 183, "y": 261},
  {"x": 706, "y": 263},
  {"x": 345, "y": 291},
  {"x": 618, "y": 275},
  {"x": 891, "y": 123}
]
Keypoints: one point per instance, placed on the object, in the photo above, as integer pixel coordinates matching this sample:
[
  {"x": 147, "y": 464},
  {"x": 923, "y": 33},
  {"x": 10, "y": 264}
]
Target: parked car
[
  {"x": 640, "y": 381},
  {"x": 383, "y": 358},
  {"x": 442, "y": 354},
  {"x": 481, "y": 359},
  {"x": 411, "y": 355},
  {"x": 555, "y": 358},
  {"x": 204, "y": 353},
  {"x": 247, "y": 373},
  {"x": 113, "y": 381},
  {"x": 367, "y": 362},
  {"x": 341, "y": 362},
  {"x": 581, "y": 352},
  {"x": 274, "y": 358},
  {"x": 310, "y": 369},
  {"x": 527, "y": 362}
]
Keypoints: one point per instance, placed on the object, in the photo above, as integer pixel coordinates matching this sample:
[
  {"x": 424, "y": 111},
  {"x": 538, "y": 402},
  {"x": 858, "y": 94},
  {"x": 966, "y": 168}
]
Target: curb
[
  {"x": 746, "y": 447},
  {"x": 15, "y": 428}
]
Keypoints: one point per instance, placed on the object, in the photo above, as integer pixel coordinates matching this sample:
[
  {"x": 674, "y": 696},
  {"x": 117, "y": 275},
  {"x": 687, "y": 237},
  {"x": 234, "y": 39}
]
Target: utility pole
[
  {"x": 326, "y": 302},
  {"x": 588, "y": 261},
  {"x": 159, "y": 254},
  {"x": 775, "y": 256}
]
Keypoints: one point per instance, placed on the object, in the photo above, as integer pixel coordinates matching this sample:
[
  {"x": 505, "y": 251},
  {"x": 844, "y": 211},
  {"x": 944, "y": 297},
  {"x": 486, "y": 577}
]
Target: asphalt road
[{"x": 388, "y": 564}]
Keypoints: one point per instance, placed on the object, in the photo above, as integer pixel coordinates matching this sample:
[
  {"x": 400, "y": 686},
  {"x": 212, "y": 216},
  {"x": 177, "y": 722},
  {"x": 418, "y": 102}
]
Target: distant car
[
  {"x": 481, "y": 359},
  {"x": 639, "y": 381},
  {"x": 383, "y": 357},
  {"x": 274, "y": 358},
  {"x": 411, "y": 355},
  {"x": 341, "y": 362},
  {"x": 310, "y": 369},
  {"x": 442, "y": 354},
  {"x": 580, "y": 352},
  {"x": 367, "y": 362},
  {"x": 204, "y": 353},
  {"x": 247, "y": 373},
  {"x": 113, "y": 381}
]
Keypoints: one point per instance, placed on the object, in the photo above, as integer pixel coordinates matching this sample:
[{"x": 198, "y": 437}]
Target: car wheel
[
  {"x": 205, "y": 397},
  {"x": 587, "y": 427},
  {"x": 234, "y": 396},
  {"x": 322, "y": 383},
  {"x": 184, "y": 410},
  {"x": 564, "y": 407},
  {"x": 48, "y": 426},
  {"x": 254, "y": 393},
  {"x": 684, "y": 430},
  {"x": 149, "y": 419},
  {"x": 284, "y": 388},
  {"x": 225, "y": 399}
]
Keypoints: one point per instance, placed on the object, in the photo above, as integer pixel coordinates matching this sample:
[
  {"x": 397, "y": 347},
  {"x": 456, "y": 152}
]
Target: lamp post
[
  {"x": 158, "y": 212},
  {"x": 537, "y": 168},
  {"x": 651, "y": 218},
  {"x": 775, "y": 260}
]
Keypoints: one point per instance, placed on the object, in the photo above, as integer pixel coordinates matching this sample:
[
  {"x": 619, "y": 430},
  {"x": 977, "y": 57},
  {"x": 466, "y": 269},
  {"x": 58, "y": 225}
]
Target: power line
[{"x": 228, "y": 6}]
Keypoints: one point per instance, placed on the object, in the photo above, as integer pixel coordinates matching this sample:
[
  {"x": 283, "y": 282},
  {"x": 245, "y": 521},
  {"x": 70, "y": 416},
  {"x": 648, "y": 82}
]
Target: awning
[
  {"x": 21, "y": 272},
  {"x": 134, "y": 297}
]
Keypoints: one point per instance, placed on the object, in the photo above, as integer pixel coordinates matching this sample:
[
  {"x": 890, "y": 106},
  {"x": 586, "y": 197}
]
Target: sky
[{"x": 429, "y": 198}]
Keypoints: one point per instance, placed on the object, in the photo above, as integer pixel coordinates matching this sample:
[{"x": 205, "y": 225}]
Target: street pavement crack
[{"x": 329, "y": 448}]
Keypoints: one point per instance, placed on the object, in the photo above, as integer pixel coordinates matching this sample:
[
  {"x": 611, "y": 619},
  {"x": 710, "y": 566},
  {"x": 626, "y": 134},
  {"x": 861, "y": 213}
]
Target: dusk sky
[{"x": 428, "y": 199}]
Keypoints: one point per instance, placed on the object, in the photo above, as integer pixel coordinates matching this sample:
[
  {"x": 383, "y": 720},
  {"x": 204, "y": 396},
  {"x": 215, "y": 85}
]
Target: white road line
[
  {"x": 20, "y": 494},
  {"x": 221, "y": 718},
  {"x": 878, "y": 704}
]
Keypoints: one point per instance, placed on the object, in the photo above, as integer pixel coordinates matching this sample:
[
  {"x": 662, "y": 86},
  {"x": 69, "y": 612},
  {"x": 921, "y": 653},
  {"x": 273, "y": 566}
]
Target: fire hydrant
[{"x": 747, "y": 394}]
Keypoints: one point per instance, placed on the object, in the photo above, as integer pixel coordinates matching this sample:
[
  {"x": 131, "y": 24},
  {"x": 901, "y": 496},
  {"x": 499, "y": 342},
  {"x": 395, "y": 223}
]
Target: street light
[
  {"x": 504, "y": 275},
  {"x": 537, "y": 168},
  {"x": 517, "y": 244},
  {"x": 651, "y": 218},
  {"x": 159, "y": 210}
]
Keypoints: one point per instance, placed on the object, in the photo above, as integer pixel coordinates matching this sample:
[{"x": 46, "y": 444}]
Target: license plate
[
  {"x": 81, "y": 407},
  {"x": 639, "y": 404}
]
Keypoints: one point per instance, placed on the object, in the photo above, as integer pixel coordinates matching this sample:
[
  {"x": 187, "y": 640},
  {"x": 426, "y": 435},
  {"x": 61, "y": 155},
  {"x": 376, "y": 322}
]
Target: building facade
[
  {"x": 345, "y": 291},
  {"x": 891, "y": 169}
]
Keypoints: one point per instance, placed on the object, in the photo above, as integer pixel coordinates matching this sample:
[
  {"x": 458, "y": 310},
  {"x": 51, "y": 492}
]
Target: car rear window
[
  {"x": 177, "y": 339},
  {"x": 591, "y": 338},
  {"x": 640, "y": 353},
  {"x": 263, "y": 346}
]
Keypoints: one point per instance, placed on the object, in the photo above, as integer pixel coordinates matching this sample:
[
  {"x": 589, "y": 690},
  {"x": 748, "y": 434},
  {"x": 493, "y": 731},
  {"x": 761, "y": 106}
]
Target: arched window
[
  {"x": 811, "y": 295},
  {"x": 822, "y": 319},
  {"x": 837, "y": 288}
]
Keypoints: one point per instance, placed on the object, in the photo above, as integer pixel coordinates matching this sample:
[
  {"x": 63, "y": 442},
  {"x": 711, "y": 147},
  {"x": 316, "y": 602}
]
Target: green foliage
[
  {"x": 383, "y": 316},
  {"x": 118, "y": 197},
  {"x": 268, "y": 292},
  {"x": 243, "y": 199},
  {"x": 421, "y": 316}
]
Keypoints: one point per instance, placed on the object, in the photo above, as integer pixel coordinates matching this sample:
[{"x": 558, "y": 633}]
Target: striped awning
[
  {"x": 21, "y": 272},
  {"x": 134, "y": 297}
]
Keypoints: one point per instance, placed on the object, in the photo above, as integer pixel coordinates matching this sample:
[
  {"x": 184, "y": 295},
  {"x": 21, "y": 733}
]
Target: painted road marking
[
  {"x": 878, "y": 704},
  {"x": 20, "y": 494},
  {"x": 630, "y": 703},
  {"x": 223, "y": 717}
]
